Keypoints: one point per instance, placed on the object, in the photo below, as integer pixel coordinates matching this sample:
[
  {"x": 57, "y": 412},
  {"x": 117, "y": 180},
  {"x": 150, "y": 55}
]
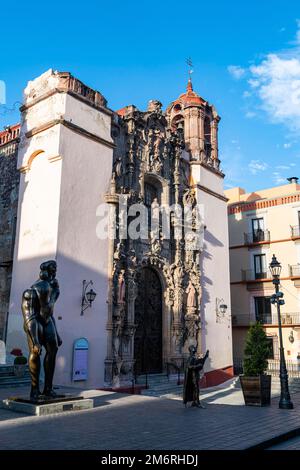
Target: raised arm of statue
[{"x": 198, "y": 363}]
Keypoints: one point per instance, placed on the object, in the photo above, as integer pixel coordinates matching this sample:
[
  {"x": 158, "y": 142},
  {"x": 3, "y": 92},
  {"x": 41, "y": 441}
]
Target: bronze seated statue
[{"x": 40, "y": 328}]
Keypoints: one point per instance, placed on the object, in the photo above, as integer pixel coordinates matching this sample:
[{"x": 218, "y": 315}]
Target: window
[
  {"x": 258, "y": 230},
  {"x": 271, "y": 346},
  {"x": 150, "y": 194},
  {"x": 298, "y": 218},
  {"x": 260, "y": 269},
  {"x": 263, "y": 310},
  {"x": 207, "y": 137}
]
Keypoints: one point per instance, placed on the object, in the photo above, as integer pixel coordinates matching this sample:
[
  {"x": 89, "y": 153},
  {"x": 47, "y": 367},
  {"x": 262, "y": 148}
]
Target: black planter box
[{"x": 256, "y": 390}]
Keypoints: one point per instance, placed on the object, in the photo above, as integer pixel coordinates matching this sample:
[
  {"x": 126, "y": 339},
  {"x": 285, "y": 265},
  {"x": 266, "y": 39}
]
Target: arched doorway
[{"x": 148, "y": 318}]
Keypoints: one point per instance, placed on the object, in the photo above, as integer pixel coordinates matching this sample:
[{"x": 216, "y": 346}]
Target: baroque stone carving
[{"x": 152, "y": 154}]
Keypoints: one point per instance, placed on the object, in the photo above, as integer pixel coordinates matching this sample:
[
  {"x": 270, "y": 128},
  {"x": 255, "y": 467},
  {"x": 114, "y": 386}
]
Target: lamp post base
[{"x": 285, "y": 404}]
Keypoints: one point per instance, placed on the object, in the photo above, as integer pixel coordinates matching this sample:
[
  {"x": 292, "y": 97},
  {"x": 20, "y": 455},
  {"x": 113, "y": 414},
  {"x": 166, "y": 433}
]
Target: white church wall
[
  {"x": 81, "y": 255},
  {"x": 37, "y": 222},
  {"x": 60, "y": 191},
  {"x": 216, "y": 333}
]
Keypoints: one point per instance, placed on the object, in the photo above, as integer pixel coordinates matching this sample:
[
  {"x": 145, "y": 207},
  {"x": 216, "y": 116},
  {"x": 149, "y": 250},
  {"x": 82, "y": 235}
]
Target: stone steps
[
  {"x": 159, "y": 384},
  {"x": 9, "y": 379},
  {"x": 152, "y": 378},
  {"x": 6, "y": 371},
  {"x": 162, "y": 391}
]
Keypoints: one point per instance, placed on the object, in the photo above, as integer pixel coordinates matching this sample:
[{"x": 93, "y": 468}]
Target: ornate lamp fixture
[
  {"x": 291, "y": 337},
  {"x": 275, "y": 268},
  {"x": 87, "y": 298},
  {"x": 221, "y": 309}
]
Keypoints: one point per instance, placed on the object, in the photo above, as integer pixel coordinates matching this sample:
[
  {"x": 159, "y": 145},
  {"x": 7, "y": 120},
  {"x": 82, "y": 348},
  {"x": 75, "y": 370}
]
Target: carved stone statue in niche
[
  {"x": 155, "y": 208},
  {"x": 191, "y": 301},
  {"x": 154, "y": 106},
  {"x": 158, "y": 144},
  {"x": 155, "y": 244},
  {"x": 178, "y": 275},
  {"x": 119, "y": 254},
  {"x": 121, "y": 287},
  {"x": 132, "y": 261},
  {"x": 191, "y": 329},
  {"x": 118, "y": 167}
]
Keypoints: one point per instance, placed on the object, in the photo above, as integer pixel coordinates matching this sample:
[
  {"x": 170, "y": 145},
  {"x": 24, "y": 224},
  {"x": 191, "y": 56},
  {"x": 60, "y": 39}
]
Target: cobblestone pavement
[{"x": 121, "y": 421}]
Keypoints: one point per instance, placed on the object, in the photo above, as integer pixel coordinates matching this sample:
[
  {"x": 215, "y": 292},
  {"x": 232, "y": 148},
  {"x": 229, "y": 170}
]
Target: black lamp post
[{"x": 277, "y": 298}]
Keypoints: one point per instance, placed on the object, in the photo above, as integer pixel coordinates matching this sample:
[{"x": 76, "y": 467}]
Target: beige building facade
[{"x": 261, "y": 224}]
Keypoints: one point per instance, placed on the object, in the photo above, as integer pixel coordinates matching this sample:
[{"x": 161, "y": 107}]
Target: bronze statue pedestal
[{"x": 47, "y": 406}]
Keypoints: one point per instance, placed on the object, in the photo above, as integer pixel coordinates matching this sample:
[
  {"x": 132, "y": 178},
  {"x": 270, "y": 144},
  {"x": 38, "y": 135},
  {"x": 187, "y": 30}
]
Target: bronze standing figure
[
  {"x": 40, "y": 328},
  {"x": 191, "y": 389}
]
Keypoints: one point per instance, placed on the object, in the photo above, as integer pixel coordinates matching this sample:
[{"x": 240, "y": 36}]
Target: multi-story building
[
  {"x": 263, "y": 223},
  {"x": 9, "y": 187}
]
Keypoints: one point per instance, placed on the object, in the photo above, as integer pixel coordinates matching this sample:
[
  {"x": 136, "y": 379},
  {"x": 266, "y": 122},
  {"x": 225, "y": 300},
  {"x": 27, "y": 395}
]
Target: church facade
[{"x": 132, "y": 201}]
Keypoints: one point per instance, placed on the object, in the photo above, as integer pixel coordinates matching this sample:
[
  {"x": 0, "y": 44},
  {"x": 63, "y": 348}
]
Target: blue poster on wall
[{"x": 80, "y": 359}]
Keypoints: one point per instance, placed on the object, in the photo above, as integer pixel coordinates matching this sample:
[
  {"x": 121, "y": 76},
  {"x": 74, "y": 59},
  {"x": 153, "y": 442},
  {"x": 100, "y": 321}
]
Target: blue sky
[{"x": 246, "y": 62}]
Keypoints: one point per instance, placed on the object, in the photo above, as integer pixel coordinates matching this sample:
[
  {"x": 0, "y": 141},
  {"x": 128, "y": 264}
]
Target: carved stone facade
[
  {"x": 152, "y": 165},
  {"x": 9, "y": 185}
]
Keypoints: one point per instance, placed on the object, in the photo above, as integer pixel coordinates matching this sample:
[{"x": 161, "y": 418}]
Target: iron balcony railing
[
  {"x": 251, "y": 275},
  {"x": 266, "y": 319},
  {"x": 295, "y": 231},
  {"x": 257, "y": 236},
  {"x": 293, "y": 367},
  {"x": 294, "y": 270}
]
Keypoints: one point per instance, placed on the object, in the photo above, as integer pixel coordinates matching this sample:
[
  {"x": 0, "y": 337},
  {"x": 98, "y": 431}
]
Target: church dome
[{"x": 189, "y": 98}]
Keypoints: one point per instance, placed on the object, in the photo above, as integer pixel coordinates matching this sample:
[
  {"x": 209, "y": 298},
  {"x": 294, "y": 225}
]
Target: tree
[{"x": 257, "y": 351}]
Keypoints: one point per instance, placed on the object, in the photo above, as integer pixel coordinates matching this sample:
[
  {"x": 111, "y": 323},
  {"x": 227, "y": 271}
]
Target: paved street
[
  {"x": 291, "y": 444},
  {"x": 121, "y": 421}
]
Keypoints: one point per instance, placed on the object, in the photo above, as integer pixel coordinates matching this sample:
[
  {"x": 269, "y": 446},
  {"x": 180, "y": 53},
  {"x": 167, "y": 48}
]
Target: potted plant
[
  {"x": 20, "y": 362},
  {"x": 256, "y": 385}
]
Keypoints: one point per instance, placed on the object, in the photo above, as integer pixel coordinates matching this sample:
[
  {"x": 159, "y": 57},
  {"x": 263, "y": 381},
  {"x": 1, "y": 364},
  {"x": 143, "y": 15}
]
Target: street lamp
[
  {"x": 277, "y": 298},
  {"x": 87, "y": 297}
]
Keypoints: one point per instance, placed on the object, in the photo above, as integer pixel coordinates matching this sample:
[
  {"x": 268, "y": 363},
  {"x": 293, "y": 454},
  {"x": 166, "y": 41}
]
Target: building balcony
[
  {"x": 247, "y": 319},
  {"x": 257, "y": 236},
  {"x": 294, "y": 270},
  {"x": 251, "y": 275},
  {"x": 295, "y": 231}
]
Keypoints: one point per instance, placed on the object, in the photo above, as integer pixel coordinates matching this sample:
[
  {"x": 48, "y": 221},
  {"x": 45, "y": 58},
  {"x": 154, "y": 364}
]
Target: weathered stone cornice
[
  {"x": 50, "y": 93},
  {"x": 73, "y": 127},
  {"x": 211, "y": 192},
  {"x": 208, "y": 167}
]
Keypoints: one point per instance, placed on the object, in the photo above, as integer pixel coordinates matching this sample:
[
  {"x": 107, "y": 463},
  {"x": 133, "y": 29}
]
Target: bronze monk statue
[
  {"x": 40, "y": 328},
  {"x": 192, "y": 376}
]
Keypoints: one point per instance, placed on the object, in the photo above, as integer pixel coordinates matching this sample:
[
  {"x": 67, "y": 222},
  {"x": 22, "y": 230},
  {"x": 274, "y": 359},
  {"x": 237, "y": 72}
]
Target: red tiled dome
[{"x": 190, "y": 97}]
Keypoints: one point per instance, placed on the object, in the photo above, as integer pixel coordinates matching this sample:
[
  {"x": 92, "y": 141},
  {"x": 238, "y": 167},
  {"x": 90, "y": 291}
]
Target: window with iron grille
[
  {"x": 258, "y": 230},
  {"x": 260, "y": 266},
  {"x": 263, "y": 309}
]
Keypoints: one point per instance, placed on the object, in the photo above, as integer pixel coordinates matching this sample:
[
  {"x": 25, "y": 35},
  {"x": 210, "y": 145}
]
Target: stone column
[
  {"x": 112, "y": 200},
  {"x": 214, "y": 139},
  {"x": 201, "y": 134}
]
